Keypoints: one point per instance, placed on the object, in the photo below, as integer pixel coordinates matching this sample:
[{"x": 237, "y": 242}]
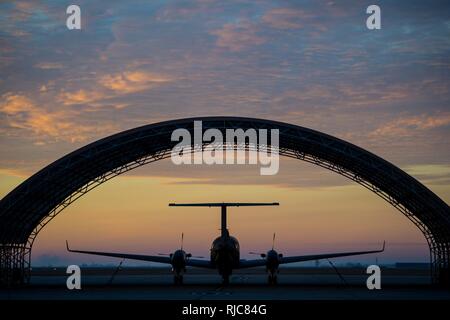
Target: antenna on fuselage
[
  {"x": 182, "y": 240},
  {"x": 273, "y": 241},
  {"x": 223, "y": 209}
]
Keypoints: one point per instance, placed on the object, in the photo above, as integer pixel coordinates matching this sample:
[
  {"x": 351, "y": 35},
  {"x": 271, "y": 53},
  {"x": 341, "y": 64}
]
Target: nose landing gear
[
  {"x": 272, "y": 278},
  {"x": 178, "y": 279},
  {"x": 225, "y": 280}
]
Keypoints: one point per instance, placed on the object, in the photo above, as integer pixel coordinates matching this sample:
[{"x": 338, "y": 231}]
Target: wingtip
[
  {"x": 67, "y": 246},
  {"x": 384, "y": 245}
]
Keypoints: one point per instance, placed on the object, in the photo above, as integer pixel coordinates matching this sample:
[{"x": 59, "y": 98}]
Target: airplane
[{"x": 225, "y": 251}]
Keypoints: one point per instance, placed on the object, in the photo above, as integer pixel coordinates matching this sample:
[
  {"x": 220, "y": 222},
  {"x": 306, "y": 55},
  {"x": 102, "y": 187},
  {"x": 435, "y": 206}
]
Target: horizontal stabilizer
[{"x": 224, "y": 204}]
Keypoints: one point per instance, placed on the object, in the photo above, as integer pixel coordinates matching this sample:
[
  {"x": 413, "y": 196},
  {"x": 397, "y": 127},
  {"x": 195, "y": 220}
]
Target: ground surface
[{"x": 296, "y": 283}]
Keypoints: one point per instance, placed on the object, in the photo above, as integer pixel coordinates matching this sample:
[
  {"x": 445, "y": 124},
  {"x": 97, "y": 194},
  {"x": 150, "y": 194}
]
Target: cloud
[
  {"x": 403, "y": 127},
  {"x": 24, "y": 114},
  {"x": 179, "y": 11},
  {"x": 132, "y": 81},
  {"x": 81, "y": 96},
  {"x": 265, "y": 63},
  {"x": 285, "y": 18},
  {"x": 433, "y": 174},
  {"x": 293, "y": 174},
  {"x": 22, "y": 11},
  {"x": 48, "y": 65},
  {"x": 110, "y": 86},
  {"x": 238, "y": 36},
  {"x": 14, "y": 172}
]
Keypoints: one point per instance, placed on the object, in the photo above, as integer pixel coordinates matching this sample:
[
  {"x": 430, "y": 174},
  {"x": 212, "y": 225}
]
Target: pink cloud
[{"x": 285, "y": 18}]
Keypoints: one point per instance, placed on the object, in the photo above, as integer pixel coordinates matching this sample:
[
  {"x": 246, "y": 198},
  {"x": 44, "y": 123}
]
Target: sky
[{"x": 309, "y": 63}]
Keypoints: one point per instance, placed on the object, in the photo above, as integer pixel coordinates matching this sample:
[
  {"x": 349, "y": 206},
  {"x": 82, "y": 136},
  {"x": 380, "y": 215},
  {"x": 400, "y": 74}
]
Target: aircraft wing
[
  {"x": 326, "y": 256},
  {"x": 199, "y": 263},
  {"x": 283, "y": 260},
  {"x": 251, "y": 263},
  {"x": 159, "y": 259}
]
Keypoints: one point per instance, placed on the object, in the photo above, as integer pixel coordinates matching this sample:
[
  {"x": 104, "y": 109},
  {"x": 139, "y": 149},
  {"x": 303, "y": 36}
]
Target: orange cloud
[
  {"x": 114, "y": 85},
  {"x": 48, "y": 65},
  {"x": 238, "y": 37},
  {"x": 403, "y": 126},
  {"x": 12, "y": 172},
  {"x": 132, "y": 81},
  {"x": 81, "y": 97},
  {"x": 14, "y": 104},
  {"x": 23, "y": 10},
  {"x": 22, "y": 113}
]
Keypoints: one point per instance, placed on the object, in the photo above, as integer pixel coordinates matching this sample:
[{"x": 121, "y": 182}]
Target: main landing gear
[
  {"x": 178, "y": 279},
  {"x": 225, "y": 280},
  {"x": 272, "y": 279}
]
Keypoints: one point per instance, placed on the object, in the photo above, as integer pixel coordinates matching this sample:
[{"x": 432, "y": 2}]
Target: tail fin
[{"x": 223, "y": 206}]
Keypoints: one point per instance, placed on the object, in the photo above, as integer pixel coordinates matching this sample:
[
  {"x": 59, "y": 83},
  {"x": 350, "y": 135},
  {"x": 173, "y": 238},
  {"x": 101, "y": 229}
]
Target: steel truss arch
[{"x": 34, "y": 203}]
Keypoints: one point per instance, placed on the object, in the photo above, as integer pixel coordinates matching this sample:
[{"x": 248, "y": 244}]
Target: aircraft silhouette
[{"x": 225, "y": 251}]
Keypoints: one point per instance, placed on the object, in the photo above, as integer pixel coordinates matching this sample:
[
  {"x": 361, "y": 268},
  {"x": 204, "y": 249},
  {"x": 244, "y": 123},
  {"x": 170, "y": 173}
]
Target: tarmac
[{"x": 293, "y": 284}]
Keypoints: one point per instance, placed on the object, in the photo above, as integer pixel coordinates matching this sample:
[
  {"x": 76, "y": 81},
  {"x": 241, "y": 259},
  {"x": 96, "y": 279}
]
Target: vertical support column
[
  {"x": 434, "y": 264},
  {"x": 444, "y": 265},
  {"x": 14, "y": 264},
  {"x": 2, "y": 266},
  {"x": 440, "y": 264}
]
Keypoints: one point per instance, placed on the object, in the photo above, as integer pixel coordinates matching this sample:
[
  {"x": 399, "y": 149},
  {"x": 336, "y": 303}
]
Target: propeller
[
  {"x": 263, "y": 255},
  {"x": 188, "y": 255},
  {"x": 170, "y": 254}
]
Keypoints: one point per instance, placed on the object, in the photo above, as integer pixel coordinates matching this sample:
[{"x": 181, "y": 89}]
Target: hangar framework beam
[{"x": 34, "y": 203}]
